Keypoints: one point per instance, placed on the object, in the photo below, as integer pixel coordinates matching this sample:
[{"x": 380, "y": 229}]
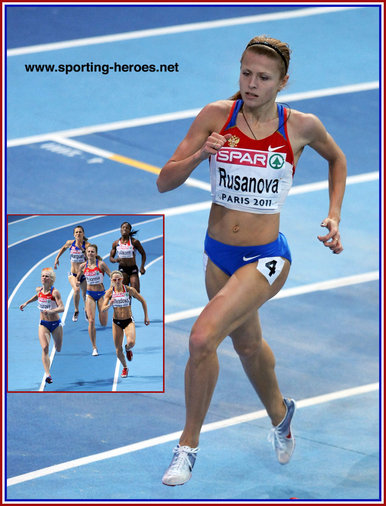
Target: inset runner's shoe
[
  {"x": 281, "y": 437},
  {"x": 129, "y": 353},
  {"x": 75, "y": 316},
  {"x": 48, "y": 379},
  {"x": 180, "y": 469},
  {"x": 125, "y": 372}
]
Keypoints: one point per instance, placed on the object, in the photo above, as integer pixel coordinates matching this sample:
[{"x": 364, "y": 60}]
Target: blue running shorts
[
  {"x": 95, "y": 295},
  {"x": 230, "y": 258},
  {"x": 51, "y": 326}
]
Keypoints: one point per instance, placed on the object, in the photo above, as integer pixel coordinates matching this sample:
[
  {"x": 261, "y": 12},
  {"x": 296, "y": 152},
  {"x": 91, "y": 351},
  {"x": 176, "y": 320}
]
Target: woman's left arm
[
  {"x": 139, "y": 297},
  {"x": 138, "y": 246},
  {"x": 106, "y": 269},
  {"x": 323, "y": 143},
  {"x": 59, "y": 303}
]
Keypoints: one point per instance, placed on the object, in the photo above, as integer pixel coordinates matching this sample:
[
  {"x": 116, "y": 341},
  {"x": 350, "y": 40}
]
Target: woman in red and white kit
[
  {"x": 253, "y": 144},
  {"x": 119, "y": 297},
  {"x": 125, "y": 248},
  {"x": 50, "y": 305},
  {"x": 93, "y": 270}
]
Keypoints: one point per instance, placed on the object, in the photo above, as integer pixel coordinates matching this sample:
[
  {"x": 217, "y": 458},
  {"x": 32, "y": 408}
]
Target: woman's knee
[{"x": 202, "y": 342}]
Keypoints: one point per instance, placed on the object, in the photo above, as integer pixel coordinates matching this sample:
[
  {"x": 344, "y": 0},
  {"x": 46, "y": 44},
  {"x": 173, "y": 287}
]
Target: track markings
[{"x": 148, "y": 443}]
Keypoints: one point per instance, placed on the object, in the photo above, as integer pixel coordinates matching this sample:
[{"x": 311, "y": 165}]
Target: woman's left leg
[
  {"x": 258, "y": 362},
  {"x": 57, "y": 336}
]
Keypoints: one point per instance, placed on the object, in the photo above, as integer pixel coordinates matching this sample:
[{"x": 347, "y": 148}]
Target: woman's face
[
  {"x": 91, "y": 253},
  {"x": 260, "y": 79},
  {"x": 125, "y": 229},
  {"x": 116, "y": 279},
  {"x": 46, "y": 278},
  {"x": 78, "y": 233}
]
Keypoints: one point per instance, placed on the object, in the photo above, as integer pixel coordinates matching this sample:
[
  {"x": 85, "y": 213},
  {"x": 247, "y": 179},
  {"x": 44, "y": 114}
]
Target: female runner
[
  {"x": 125, "y": 249},
  {"x": 119, "y": 297},
  {"x": 77, "y": 257},
  {"x": 253, "y": 145},
  {"x": 93, "y": 270},
  {"x": 50, "y": 305}
]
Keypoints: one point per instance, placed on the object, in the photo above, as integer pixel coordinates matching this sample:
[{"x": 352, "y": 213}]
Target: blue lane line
[
  {"x": 76, "y": 415},
  {"x": 361, "y": 152},
  {"x": 187, "y": 49},
  {"x": 69, "y": 22}
]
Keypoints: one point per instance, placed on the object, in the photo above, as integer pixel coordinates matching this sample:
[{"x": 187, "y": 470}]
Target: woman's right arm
[
  {"x": 106, "y": 300},
  {"x": 61, "y": 251},
  {"x": 32, "y": 299},
  {"x": 113, "y": 252},
  {"x": 200, "y": 142}
]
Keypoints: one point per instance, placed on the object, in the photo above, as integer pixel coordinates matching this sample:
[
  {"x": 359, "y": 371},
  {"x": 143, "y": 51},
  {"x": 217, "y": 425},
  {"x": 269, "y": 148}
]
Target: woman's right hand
[{"x": 212, "y": 144}]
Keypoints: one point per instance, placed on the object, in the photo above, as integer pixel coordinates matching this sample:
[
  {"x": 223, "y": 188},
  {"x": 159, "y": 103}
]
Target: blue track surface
[{"x": 326, "y": 339}]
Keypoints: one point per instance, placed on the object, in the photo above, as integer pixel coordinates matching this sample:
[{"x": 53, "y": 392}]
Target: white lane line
[
  {"x": 22, "y": 219},
  {"x": 74, "y": 223},
  {"x": 56, "y": 251},
  {"x": 174, "y": 116},
  {"x": 118, "y": 363},
  {"x": 321, "y": 185},
  {"x": 290, "y": 292},
  {"x": 168, "y": 30},
  {"x": 248, "y": 417},
  {"x": 83, "y": 221}
]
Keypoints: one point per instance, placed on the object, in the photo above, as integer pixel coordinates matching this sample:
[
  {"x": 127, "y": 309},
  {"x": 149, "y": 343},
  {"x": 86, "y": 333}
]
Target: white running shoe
[
  {"x": 95, "y": 352},
  {"x": 281, "y": 436},
  {"x": 180, "y": 469},
  {"x": 75, "y": 316}
]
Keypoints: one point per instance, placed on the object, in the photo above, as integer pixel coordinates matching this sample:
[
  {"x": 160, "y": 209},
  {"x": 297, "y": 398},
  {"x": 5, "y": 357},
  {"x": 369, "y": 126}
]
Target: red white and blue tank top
[
  {"x": 46, "y": 301},
  {"x": 77, "y": 254},
  {"x": 125, "y": 250},
  {"x": 252, "y": 175},
  {"x": 121, "y": 299},
  {"x": 93, "y": 276}
]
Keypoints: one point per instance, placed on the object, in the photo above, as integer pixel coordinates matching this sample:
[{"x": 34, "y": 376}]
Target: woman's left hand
[{"x": 332, "y": 239}]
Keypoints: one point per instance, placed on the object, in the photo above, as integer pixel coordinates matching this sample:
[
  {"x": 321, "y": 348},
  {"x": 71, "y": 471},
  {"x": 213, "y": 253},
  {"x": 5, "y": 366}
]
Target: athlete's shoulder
[
  {"x": 220, "y": 108},
  {"x": 216, "y": 113},
  {"x": 55, "y": 293},
  {"x": 304, "y": 126}
]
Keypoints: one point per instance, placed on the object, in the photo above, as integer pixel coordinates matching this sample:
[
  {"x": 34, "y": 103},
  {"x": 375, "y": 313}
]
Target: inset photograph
[{"x": 85, "y": 303}]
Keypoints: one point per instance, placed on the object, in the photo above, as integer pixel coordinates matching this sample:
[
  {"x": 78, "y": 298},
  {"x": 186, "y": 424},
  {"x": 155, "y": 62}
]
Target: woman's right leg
[
  {"x": 233, "y": 300},
  {"x": 118, "y": 341},
  {"x": 90, "y": 309}
]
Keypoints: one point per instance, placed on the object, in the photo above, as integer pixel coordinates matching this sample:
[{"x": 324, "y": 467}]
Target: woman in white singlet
[
  {"x": 94, "y": 269},
  {"x": 77, "y": 257},
  {"x": 119, "y": 297},
  {"x": 50, "y": 305},
  {"x": 253, "y": 145},
  {"x": 125, "y": 248}
]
